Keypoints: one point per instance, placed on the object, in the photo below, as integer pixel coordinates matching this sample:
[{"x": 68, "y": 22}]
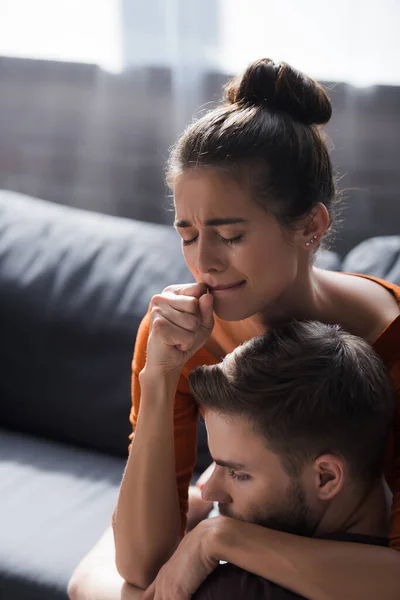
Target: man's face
[{"x": 249, "y": 482}]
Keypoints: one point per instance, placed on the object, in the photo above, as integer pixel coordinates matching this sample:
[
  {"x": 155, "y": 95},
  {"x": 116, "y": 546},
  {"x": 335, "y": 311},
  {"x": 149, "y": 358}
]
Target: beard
[{"x": 293, "y": 515}]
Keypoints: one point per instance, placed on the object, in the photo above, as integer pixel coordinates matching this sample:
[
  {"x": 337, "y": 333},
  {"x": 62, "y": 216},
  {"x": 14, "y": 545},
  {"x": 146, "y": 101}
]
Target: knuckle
[
  {"x": 156, "y": 311},
  {"x": 155, "y": 315},
  {"x": 171, "y": 289},
  {"x": 158, "y": 324},
  {"x": 156, "y": 300}
]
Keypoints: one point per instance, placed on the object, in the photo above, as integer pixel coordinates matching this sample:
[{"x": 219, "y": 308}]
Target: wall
[{"x": 74, "y": 134}]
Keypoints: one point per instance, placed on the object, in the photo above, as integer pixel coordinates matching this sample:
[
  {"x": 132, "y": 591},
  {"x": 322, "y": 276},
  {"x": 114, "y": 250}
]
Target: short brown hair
[
  {"x": 309, "y": 389},
  {"x": 266, "y": 133}
]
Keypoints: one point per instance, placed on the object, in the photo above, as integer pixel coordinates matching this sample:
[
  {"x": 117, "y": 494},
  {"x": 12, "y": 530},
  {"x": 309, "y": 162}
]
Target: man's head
[{"x": 297, "y": 424}]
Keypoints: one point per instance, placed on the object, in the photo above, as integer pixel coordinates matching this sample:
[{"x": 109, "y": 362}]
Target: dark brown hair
[
  {"x": 266, "y": 134},
  {"x": 309, "y": 389}
]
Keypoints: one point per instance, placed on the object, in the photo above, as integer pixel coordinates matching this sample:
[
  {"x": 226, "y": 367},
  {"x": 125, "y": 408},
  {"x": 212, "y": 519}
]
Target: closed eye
[
  {"x": 188, "y": 242},
  {"x": 233, "y": 240},
  {"x": 237, "y": 476}
]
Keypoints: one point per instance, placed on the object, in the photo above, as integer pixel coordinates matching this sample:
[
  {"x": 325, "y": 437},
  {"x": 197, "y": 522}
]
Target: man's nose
[{"x": 214, "y": 489}]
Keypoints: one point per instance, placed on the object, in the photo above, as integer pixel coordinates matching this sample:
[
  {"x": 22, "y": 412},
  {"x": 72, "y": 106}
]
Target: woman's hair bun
[{"x": 278, "y": 86}]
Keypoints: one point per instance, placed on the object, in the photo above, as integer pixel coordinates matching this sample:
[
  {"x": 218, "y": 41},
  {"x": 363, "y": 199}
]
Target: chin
[
  {"x": 234, "y": 309},
  {"x": 231, "y": 311}
]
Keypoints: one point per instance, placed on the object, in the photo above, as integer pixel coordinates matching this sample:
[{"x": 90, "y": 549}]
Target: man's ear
[{"x": 329, "y": 476}]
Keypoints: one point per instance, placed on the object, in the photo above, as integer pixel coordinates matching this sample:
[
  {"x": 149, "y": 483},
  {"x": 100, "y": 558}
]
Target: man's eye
[{"x": 237, "y": 476}]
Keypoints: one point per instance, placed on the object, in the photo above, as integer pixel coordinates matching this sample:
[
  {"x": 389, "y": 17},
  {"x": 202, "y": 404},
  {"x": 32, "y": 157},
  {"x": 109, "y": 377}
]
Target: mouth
[
  {"x": 226, "y": 288},
  {"x": 222, "y": 510}
]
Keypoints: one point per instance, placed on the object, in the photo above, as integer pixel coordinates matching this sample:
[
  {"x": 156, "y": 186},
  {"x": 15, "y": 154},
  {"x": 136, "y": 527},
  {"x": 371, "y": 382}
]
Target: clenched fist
[{"x": 181, "y": 321}]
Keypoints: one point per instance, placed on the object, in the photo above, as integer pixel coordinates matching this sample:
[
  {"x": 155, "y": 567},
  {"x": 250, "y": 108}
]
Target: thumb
[{"x": 206, "y": 302}]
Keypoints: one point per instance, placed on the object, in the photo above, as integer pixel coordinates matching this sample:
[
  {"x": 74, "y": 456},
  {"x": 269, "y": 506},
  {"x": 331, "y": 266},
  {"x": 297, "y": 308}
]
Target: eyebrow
[
  {"x": 229, "y": 465},
  {"x": 212, "y": 222}
]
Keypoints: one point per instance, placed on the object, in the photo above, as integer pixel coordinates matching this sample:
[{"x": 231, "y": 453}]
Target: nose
[
  {"x": 214, "y": 489},
  {"x": 208, "y": 257}
]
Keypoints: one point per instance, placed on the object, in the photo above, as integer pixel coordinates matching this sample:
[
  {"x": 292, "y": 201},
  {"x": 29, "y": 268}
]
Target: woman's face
[{"x": 233, "y": 245}]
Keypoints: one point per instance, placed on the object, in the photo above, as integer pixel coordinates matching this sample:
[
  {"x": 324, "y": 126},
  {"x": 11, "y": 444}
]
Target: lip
[{"x": 228, "y": 287}]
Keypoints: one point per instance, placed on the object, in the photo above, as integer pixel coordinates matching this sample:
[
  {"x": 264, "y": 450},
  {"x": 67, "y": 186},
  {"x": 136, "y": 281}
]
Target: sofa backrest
[
  {"x": 74, "y": 287},
  {"x": 378, "y": 256}
]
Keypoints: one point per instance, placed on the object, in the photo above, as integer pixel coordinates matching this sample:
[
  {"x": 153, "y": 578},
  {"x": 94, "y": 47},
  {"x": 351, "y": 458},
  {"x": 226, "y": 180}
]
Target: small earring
[{"x": 313, "y": 239}]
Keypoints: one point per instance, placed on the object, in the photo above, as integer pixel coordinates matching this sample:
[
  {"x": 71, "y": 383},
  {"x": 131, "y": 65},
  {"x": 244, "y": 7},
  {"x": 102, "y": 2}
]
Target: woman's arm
[
  {"x": 199, "y": 509},
  {"x": 316, "y": 569},
  {"x": 97, "y": 577},
  {"x": 147, "y": 517},
  {"x": 147, "y": 520}
]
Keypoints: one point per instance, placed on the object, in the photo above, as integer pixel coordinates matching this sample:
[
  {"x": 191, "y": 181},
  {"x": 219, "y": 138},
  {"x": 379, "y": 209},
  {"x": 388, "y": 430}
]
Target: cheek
[
  {"x": 248, "y": 497},
  {"x": 190, "y": 260},
  {"x": 187, "y": 256},
  {"x": 272, "y": 259},
  {"x": 263, "y": 495}
]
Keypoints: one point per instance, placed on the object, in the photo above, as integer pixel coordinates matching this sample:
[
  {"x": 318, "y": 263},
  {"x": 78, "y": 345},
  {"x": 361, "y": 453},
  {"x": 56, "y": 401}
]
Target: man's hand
[
  {"x": 188, "y": 567},
  {"x": 181, "y": 321}
]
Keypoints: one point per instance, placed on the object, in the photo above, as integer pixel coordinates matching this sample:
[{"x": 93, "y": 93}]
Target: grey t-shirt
[{"x": 233, "y": 583}]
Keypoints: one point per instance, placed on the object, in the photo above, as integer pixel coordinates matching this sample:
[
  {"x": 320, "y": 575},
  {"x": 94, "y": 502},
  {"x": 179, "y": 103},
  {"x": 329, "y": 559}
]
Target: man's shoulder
[{"x": 231, "y": 582}]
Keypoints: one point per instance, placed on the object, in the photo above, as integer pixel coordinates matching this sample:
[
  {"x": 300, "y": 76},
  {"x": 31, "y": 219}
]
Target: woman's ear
[
  {"x": 329, "y": 478},
  {"x": 315, "y": 226}
]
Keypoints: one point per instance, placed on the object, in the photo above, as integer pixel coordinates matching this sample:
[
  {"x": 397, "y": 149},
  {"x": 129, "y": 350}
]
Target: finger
[
  {"x": 195, "y": 289},
  {"x": 158, "y": 595},
  {"x": 184, "y": 304},
  {"x": 171, "y": 335},
  {"x": 149, "y": 593},
  {"x": 187, "y": 321},
  {"x": 206, "y": 311}
]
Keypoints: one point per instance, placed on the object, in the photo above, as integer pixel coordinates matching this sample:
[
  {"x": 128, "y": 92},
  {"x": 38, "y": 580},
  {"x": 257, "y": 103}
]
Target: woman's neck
[{"x": 305, "y": 299}]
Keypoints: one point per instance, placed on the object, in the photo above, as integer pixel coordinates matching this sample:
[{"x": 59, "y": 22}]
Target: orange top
[{"x": 186, "y": 411}]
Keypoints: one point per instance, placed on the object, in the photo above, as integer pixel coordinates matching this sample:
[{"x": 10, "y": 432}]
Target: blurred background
[{"x": 94, "y": 92}]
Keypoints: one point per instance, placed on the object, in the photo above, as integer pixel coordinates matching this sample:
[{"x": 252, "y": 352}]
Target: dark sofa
[{"x": 74, "y": 286}]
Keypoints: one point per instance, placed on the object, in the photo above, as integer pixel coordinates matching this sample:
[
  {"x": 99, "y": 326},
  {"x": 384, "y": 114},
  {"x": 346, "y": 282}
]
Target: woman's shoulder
[
  {"x": 366, "y": 306},
  {"x": 383, "y": 300},
  {"x": 379, "y": 285}
]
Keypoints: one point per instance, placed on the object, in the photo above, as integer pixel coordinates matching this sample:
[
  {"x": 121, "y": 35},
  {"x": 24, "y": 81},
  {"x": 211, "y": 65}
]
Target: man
[{"x": 297, "y": 422}]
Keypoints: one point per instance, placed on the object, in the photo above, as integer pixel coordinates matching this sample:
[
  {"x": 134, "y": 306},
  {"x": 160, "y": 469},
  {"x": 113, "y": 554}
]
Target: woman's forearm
[
  {"x": 147, "y": 518},
  {"x": 314, "y": 568}
]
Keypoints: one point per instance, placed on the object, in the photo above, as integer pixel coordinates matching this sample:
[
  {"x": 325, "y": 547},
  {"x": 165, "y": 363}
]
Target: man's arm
[
  {"x": 97, "y": 578},
  {"x": 316, "y": 569}
]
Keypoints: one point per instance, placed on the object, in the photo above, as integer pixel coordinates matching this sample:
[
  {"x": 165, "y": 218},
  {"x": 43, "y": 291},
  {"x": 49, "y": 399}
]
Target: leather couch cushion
[
  {"x": 74, "y": 286},
  {"x": 379, "y": 257},
  {"x": 56, "y": 501}
]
